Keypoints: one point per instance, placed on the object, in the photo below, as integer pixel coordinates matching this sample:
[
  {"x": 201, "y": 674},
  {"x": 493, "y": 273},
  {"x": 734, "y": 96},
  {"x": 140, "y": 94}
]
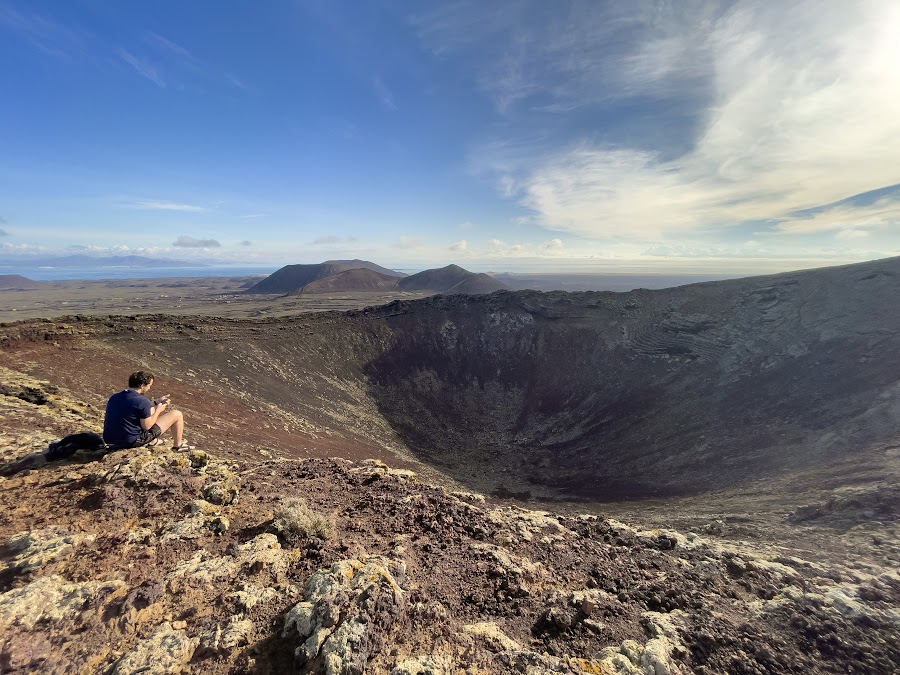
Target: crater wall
[{"x": 648, "y": 393}]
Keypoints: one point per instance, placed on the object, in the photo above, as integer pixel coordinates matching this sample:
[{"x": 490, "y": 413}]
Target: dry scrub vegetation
[{"x": 295, "y": 521}]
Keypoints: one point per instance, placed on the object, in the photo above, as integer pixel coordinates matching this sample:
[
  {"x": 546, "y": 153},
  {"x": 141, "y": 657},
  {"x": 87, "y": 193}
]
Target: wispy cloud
[
  {"x": 49, "y": 36},
  {"x": 155, "y": 205},
  {"x": 167, "y": 45},
  {"x": 789, "y": 106},
  {"x": 558, "y": 57},
  {"x": 460, "y": 247},
  {"x": 142, "y": 67},
  {"x": 117, "y": 249},
  {"x": 4, "y": 233},
  {"x": 181, "y": 58},
  {"x": 246, "y": 242},
  {"x": 190, "y": 242},
  {"x": 409, "y": 242},
  {"x": 6, "y": 247},
  {"x": 236, "y": 81},
  {"x": 844, "y": 218},
  {"x": 251, "y": 216},
  {"x": 331, "y": 240},
  {"x": 385, "y": 95}
]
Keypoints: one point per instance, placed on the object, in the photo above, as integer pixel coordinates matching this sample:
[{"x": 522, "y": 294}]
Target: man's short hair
[{"x": 140, "y": 379}]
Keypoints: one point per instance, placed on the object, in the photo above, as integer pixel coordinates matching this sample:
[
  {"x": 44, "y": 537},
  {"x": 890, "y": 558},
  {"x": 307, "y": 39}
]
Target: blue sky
[{"x": 573, "y": 135}]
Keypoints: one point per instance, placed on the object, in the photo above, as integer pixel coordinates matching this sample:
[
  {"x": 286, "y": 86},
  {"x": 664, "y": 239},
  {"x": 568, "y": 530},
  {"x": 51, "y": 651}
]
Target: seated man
[{"x": 133, "y": 420}]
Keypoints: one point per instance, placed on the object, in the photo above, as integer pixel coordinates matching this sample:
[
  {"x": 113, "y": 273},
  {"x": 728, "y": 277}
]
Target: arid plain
[{"x": 197, "y": 296}]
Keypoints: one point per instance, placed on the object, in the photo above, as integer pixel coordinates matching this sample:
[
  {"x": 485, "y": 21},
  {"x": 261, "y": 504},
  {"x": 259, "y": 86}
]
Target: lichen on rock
[
  {"x": 341, "y": 607},
  {"x": 51, "y": 599},
  {"x": 167, "y": 651},
  {"x": 36, "y": 549}
]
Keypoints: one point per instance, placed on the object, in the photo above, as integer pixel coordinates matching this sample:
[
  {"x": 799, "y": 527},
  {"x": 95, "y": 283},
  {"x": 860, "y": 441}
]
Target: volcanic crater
[{"x": 594, "y": 396}]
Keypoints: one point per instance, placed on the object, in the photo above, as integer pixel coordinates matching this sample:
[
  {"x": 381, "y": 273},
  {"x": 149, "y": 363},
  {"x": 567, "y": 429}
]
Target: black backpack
[{"x": 68, "y": 446}]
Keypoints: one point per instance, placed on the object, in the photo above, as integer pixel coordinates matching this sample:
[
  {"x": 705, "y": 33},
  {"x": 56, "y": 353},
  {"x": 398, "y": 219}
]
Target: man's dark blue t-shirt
[{"x": 124, "y": 412}]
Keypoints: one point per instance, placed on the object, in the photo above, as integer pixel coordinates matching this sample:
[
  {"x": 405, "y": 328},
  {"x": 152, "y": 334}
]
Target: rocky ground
[{"x": 151, "y": 561}]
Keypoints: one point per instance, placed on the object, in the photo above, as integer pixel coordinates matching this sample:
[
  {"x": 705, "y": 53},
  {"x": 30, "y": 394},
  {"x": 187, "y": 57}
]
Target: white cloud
[
  {"x": 750, "y": 249},
  {"x": 851, "y": 234},
  {"x": 117, "y": 249},
  {"x": 467, "y": 225},
  {"x": 803, "y": 110},
  {"x": 552, "y": 245},
  {"x": 844, "y": 217},
  {"x": 461, "y": 246},
  {"x": 167, "y": 206}
]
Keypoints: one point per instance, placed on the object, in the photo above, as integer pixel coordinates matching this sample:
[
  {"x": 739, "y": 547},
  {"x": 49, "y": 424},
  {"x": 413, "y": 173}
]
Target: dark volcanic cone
[
  {"x": 478, "y": 284},
  {"x": 16, "y": 282},
  {"x": 438, "y": 280},
  {"x": 292, "y": 278},
  {"x": 357, "y": 264},
  {"x": 352, "y": 281}
]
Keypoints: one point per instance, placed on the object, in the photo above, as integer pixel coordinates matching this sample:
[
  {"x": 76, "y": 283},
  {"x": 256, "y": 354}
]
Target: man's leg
[{"x": 172, "y": 419}]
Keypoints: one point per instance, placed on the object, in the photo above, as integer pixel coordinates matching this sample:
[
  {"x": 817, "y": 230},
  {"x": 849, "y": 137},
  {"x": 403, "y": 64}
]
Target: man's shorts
[{"x": 147, "y": 436}]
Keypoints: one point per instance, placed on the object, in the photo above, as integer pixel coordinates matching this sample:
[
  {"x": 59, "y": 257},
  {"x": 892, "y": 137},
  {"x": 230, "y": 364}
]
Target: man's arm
[{"x": 155, "y": 412}]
